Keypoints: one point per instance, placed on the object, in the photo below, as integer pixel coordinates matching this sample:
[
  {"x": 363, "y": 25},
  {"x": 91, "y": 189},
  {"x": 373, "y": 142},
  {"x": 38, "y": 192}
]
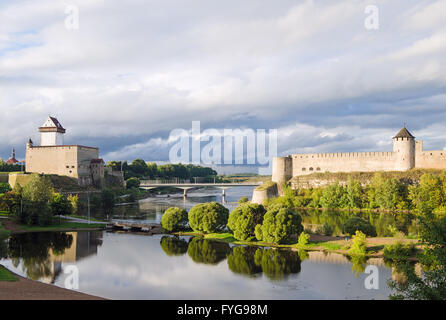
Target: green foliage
[
  {"x": 429, "y": 194},
  {"x": 431, "y": 285},
  {"x": 243, "y": 199},
  {"x": 4, "y": 187},
  {"x": 108, "y": 200},
  {"x": 357, "y": 224},
  {"x": 303, "y": 240},
  {"x": 74, "y": 201},
  {"x": 132, "y": 183},
  {"x": 399, "y": 252},
  {"x": 38, "y": 189},
  {"x": 208, "y": 217},
  {"x": 359, "y": 244},
  {"x": 241, "y": 261},
  {"x": 243, "y": 220},
  {"x": 60, "y": 205},
  {"x": 277, "y": 264},
  {"x": 334, "y": 196},
  {"x": 174, "y": 219},
  {"x": 279, "y": 223}
]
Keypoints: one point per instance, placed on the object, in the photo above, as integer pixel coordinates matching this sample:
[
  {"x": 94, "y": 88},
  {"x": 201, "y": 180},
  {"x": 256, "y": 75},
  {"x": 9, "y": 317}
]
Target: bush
[
  {"x": 303, "y": 240},
  {"x": 174, "y": 219},
  {"x": 60, "y": 205},
  {"x": 132, "y": 183},
  {"x": 399, "y": 252},
  {"x": 243, "y": 200},
  {"x": 208, "y": 217},
  {"x": 359, "y": 245},
  {"x": 357, "y": 224},
  {"x": 243, "y": 220},
  {"x": 279, "y": 223},
  {"x": 4, "y": 187}
]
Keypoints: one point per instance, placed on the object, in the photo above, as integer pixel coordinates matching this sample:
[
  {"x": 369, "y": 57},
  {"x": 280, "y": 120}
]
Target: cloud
[{"x": 134, "y": 72}]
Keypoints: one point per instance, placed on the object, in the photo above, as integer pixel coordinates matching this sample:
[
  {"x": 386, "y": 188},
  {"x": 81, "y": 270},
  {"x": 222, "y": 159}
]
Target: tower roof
[
  {"x": 404, "y": 133},
  {"x": 12, "y": 160},
  {"x": 52, "y": 124}
]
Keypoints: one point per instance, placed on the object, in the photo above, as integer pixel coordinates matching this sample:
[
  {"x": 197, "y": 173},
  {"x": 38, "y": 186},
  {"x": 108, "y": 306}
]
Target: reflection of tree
[
  {"x": 3, "y": 247},
  {"x": 207, "y": 251},
  {"x": 277, "y": 264},
  {"x": 173, "y": 246},
  {"x": 33, "y": 249},
  {"x": 358, "y": 263},
  {"x": 241, "y": 261}
]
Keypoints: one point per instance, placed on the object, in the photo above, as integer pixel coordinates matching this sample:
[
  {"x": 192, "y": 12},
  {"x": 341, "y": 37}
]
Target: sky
[{"x": 134, "y": 71}]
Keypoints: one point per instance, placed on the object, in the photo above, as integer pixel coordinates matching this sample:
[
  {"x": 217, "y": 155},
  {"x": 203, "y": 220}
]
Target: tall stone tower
[
  {"x": 51, "y": 133},
  {"x": 282, "y": 170},
  {"x": 404, "y": 149}
]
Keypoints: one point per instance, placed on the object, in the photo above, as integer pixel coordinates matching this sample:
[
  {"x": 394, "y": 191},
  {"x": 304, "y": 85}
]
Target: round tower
[
  {"x": 404, "y": 149},
  {"x": 282, "y": 170}
]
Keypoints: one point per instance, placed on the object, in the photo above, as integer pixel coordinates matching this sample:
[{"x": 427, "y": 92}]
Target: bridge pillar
[{"x": 185, "y": 189}]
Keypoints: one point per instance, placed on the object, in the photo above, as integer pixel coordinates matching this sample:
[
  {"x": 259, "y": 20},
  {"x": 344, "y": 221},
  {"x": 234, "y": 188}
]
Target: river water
[{"x": 130, "y": 266}]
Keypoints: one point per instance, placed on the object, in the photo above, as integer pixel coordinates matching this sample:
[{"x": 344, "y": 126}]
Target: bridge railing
[
  {"x": 179, "y": 181},
  {"x": 166, "y": 181}
]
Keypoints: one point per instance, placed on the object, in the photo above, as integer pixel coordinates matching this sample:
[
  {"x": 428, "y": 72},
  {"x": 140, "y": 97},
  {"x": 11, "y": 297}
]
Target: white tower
[
  {"x": 51, "y": 133},
  {"x": 404, "y": 148}
]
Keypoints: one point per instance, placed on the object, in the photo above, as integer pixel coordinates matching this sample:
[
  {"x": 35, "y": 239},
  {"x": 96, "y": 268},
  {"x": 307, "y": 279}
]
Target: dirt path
[{"x": 25, "y": 289}]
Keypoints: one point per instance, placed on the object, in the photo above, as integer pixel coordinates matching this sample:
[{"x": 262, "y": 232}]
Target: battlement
[{"x": 344, "y": 155}]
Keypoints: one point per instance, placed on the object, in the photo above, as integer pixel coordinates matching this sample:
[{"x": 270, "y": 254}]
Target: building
[
  {"x": 12, "y": 160},
  {"x": 54, "y": 157},
  {"x": 407, "y": 154}
]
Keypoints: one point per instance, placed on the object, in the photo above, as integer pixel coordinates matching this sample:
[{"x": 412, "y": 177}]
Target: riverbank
[
  {"x": 25, "y": 289},
  {"x": 332, "y": 244}
]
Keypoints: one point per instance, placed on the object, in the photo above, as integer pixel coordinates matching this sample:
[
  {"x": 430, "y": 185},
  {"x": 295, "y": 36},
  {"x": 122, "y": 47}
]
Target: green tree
[
  {"x": 357, "y": 224},
  {"x": 334, "y": 196},
  {"x": 241, "y": 261},
  {"x": 74, "y": 201},
  {"x": 429, "y": 194},
  {"x": 243, "y": 220},
  {"x": 38, "y": 189},
  {"x": 108, "y": 200},
  {"x": 354, "y": 194},
  {"x": 174, "y": 219},
  {"x": 359, "y": 244},
  {"x": 4, "y": 187},
  {"x": 60, "y": 205},
  {"x": 279, "y": 223},
  {"x": 208, "y": 217},
  {"x": 277, "y": 264},
  {"x": 132, "y": 183}
]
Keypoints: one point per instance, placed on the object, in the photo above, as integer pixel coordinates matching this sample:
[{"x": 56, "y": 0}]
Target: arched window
[
  {"x": 311, "y": 169},
  {"x": 318, "y": 169}
]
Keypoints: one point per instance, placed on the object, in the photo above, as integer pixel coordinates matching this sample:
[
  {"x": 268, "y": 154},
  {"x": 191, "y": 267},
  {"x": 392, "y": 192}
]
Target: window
[
  {"x": 304, "y": 169},
  {"x": 311, "y": 169},
  {"x": 318, "y": 169},
  {"x": 68, "y": 167}
]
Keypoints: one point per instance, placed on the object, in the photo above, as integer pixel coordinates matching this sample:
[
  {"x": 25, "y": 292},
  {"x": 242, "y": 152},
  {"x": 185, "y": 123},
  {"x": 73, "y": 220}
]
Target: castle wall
[
  {"x": 304, "y": 164},
  {"x": 72, "y": 161},
  {"x": 431, "y": 160}
]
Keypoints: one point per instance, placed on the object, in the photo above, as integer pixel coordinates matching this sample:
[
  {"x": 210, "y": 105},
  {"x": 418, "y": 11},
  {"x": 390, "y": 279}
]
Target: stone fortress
[
  {"x": 407, "y": 154},
  {"x": 54, "y": 157}
]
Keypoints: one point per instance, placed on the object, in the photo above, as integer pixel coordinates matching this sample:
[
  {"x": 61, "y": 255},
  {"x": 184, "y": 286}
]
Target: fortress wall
[
  {"x": 282, "y": 170},
  {"x": 52, "y": 160},
  {"x": 84, "y": 156},
  {"x": 304, "y": 164},
  {"x": 431, "y": 160}
]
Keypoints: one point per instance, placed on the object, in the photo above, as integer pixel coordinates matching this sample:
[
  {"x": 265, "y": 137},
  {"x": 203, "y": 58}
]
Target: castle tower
[
  {"x": 51, "y": 133},
  {"x": 282, "y": 170},
  {"x": 404, "y": 149}
]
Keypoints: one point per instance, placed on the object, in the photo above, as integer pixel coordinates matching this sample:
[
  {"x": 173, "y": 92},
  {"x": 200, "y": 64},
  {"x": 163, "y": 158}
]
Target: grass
[
  {"x": 85, "y": 218},
  {"x": 266, "y": 185},
  {"x": 6, "y": 275}
]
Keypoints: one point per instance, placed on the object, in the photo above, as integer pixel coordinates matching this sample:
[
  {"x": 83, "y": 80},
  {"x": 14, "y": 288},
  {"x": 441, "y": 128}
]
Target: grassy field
[{"x": 5, "y": 275}]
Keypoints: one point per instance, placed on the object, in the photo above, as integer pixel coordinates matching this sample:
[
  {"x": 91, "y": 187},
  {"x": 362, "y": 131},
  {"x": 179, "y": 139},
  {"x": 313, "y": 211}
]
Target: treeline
[
  {"x": 37, "y": 203},
  {"x": 429, "y": 195},
  {"x": 9, "y": 167},
  {"x": 140, "y": 169}
]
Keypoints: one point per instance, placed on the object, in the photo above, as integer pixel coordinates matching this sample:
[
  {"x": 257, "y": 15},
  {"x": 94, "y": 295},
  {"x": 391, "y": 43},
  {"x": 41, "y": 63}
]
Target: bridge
[{"x": 185, "y": 186}]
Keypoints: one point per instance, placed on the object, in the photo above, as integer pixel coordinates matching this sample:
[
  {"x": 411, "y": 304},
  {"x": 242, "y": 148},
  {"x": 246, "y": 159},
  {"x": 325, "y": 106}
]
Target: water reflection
[
  {"x": 173, "y": 246},
  {"x": 41, "y": 254},
  {"x": 207, "y": 251}
]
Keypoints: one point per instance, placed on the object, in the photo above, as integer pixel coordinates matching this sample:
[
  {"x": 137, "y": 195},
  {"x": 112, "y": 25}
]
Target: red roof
[{"x": 12, "y": 161}]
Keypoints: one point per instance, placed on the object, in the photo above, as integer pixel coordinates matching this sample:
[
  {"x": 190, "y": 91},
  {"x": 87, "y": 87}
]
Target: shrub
[
  {"x": 279, "y": 223},
  {"x": 399, "y": 252},
  {"x": 303, "y": 240},
  {"x": 208, "y": 217},
  {"x": 132, "y": 183},
  {"x": 357, "y": 224},
  {"x": 243, "y": 220},
  {"x": 359, "y": 245},
  {"x": 243, "y": 200},
  {"x": 174, "y": 219},
  {"x": 60, "y": 205}
]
